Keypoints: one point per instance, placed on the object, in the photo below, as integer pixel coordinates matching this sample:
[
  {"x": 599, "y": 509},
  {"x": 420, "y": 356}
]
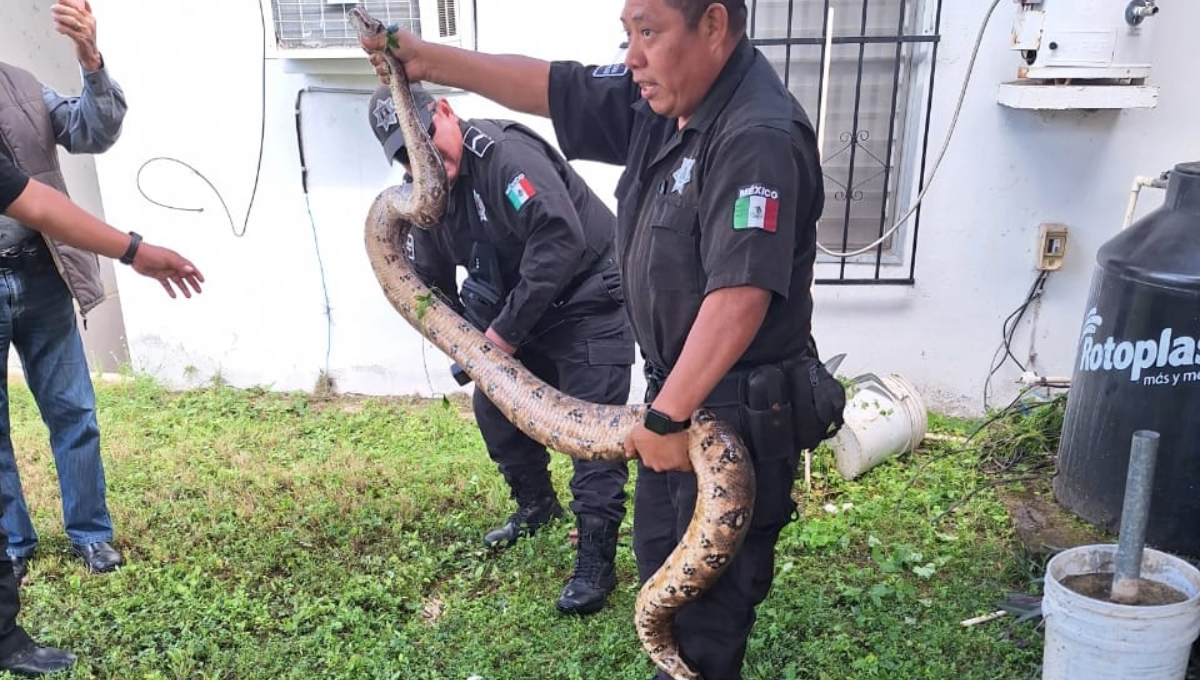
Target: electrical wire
[
  {"x": 1009, "y": 328},
  {"x": 328, "y": 309},
  {"x": 962, "y": 95},
  {"x": 312, "y": 221},
  {"x": 1014, "y": 407},
  {"x": 262, "y": 132}
]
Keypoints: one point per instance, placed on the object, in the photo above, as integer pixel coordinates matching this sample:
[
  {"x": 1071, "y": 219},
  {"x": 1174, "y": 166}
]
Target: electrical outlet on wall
[{"x": 1051, "y": 246}]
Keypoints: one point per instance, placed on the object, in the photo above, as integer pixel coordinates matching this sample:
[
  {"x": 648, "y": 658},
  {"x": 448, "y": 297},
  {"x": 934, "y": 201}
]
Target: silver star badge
[
  {"x": 479, "y": 206},
  {"x": 385, "y": 114},
  {"x": 683, "y": 175}
]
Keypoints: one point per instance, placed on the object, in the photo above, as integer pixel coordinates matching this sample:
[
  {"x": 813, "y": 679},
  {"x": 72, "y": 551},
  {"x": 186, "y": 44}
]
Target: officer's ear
[{"x": 443, "y": 107}]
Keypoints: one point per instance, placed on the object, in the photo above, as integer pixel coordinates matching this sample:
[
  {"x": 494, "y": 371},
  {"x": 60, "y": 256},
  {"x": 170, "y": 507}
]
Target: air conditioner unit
[{"x": 319, "y": 29}]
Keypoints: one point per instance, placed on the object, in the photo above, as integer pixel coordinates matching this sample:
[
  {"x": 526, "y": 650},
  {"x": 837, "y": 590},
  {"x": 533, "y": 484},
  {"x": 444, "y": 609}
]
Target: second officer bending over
[{"x": 543, "y": 285}]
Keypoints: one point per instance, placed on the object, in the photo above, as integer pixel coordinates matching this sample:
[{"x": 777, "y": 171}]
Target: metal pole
[{"x": 1138, "y": 487}]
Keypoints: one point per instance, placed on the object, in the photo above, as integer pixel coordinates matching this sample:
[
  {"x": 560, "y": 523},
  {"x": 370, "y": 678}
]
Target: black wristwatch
[
  {"x": 660, "y": 423},
  {"x": 135, "y": 240}
]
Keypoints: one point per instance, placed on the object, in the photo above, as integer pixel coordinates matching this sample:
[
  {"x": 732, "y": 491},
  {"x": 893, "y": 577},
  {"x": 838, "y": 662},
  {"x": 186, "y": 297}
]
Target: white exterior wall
[{"x": 194, "y": 95}]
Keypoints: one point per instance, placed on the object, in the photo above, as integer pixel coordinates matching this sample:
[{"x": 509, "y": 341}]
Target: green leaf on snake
[{"x": 423, "y": 302}]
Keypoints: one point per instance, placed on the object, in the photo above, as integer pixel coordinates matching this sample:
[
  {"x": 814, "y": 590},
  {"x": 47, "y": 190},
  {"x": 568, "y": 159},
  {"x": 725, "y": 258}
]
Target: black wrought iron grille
[{"x": 882, "y": 59}]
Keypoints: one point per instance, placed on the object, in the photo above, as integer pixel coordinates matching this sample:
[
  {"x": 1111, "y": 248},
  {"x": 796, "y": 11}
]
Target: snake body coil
[{"x": 582, "y": 430}]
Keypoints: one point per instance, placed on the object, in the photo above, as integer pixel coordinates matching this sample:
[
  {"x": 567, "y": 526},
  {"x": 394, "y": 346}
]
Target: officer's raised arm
[{"x": 517, "y": 82}]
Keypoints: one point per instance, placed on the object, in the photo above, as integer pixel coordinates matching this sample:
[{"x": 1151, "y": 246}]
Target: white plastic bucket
[
  {"x": 1100, "y": 640},
  {"x": 884, "y": 417}
]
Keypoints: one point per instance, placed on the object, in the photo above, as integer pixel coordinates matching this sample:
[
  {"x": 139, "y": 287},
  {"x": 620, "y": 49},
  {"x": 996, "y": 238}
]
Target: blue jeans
[{"x": 37, "y": 317}]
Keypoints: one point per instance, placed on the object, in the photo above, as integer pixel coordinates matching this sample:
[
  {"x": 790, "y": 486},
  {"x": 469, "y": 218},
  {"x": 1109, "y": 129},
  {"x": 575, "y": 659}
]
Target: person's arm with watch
[
  {"x": 728, "y": 320},
  {"x": 47, "y": 210}
]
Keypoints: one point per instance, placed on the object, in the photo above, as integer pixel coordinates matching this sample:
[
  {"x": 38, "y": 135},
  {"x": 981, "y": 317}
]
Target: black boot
[
  {"x": 595, "y": 569},
  {"x": 33, "y": 660},
  {"x": 532, "y": 514}
]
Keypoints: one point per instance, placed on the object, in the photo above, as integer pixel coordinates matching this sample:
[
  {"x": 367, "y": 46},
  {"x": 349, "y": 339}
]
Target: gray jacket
[{"x": 34, "y": 120}]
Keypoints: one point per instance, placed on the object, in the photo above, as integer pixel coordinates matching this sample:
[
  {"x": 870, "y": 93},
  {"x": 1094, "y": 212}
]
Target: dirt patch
[
  {"x": 1043, "y": 526},
  {"x": 1098, "y": 586}
]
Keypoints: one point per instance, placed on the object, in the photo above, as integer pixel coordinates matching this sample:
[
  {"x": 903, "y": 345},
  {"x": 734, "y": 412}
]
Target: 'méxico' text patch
[{"x": 757, "y": 207}]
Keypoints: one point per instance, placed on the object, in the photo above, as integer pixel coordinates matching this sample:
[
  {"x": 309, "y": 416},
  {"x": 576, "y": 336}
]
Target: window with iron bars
[{"x": 867, "y": 85}]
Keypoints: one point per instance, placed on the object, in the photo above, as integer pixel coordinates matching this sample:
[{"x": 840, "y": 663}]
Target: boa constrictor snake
[{"x": 582, "y": 430}]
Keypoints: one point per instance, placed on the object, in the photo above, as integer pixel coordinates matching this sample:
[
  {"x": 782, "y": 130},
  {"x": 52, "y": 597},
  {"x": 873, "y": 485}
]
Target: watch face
[
  {"x": 655, "y": 422},
  {"x": 660, "y": 423}
]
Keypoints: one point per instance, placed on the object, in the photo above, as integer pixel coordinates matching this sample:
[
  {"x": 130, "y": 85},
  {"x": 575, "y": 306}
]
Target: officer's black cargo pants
[
  {"x": 12, "y": 636},
  {"x": 581, "y": 361},
  {"x": 712, "y": 631}
]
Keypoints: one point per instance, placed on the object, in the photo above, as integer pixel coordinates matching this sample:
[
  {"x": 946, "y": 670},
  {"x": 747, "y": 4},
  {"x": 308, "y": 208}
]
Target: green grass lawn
[{"x": 286, "y": 536}]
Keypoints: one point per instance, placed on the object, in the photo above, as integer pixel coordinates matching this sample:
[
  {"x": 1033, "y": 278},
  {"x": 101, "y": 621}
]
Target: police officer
[
  {"x": 543, "y": 284},
  {"x": 716, "y": 236}
]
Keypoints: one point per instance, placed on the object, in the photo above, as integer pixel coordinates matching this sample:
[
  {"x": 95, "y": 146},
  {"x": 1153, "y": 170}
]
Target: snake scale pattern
[{"x": 582, "y": 430}]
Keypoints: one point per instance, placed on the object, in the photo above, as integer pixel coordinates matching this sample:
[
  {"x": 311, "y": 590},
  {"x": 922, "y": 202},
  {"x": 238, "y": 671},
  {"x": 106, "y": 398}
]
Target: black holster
[
  {"x": 767, "y": 411},
  {"x": 818, "y": 401},
  {"x": 481, "y": 302}
]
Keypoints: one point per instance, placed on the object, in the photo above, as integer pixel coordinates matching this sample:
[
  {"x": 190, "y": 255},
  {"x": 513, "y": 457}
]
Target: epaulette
[{"x": 477, "y": 142}]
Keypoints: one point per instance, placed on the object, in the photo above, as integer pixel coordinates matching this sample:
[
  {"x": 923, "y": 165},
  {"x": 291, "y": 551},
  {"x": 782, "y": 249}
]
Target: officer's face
[
  {"x": 447, "y": 139},
  {"x": 674, "y": 65}
]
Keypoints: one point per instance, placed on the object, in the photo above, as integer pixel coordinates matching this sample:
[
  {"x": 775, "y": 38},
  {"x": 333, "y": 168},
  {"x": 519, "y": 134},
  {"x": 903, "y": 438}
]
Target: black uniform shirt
[
  {"x": 732, "y": 199},
  {"x": 12, "y": 182},
  {"x": 550, "y": 231}
]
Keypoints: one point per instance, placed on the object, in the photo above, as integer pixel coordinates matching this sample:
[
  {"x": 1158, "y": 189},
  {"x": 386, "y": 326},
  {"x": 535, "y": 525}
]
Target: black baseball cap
[{"x": 382, "y": 115}]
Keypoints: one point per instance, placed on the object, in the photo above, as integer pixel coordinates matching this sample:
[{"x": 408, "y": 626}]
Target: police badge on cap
[{"x": 381, "y": 113}]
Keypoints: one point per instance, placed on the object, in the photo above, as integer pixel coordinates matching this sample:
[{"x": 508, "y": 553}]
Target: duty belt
[{"x": 727, "y": 392}]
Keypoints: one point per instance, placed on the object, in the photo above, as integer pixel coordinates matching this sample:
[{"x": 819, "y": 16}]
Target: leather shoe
[
  {"x": 20, "y": 568},
  {"x": 98, "y": 557},
  {"x": 34, "y": 660}
]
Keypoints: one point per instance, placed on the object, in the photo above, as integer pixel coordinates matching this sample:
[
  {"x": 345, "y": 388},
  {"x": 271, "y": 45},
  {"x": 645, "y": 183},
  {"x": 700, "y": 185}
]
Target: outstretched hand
[{"x": 168, "y": 267}]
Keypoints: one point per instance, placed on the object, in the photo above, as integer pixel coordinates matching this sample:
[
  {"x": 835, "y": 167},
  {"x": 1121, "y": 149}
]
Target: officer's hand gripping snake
[{"x": 582, "y": 430}]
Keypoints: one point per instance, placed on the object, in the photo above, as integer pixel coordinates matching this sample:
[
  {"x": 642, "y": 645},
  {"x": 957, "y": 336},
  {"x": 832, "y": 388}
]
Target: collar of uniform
[
  {"x": 464, "y": 164},
  {"x": 722, "y": 88}
]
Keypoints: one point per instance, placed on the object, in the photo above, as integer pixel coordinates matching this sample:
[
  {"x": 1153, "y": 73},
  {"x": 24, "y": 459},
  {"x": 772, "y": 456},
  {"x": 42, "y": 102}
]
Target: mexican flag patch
[
  {"x": 519, "y": 190},
  {"x": 757, "y": 207}
]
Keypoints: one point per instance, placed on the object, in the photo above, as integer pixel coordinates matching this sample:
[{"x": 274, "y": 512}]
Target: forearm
[
  {"x": 90, "y": 123},
  {"x": 53, "y": 214},
  {"x": 727, "y": 322},
  {"x": 517, "y": 82}
]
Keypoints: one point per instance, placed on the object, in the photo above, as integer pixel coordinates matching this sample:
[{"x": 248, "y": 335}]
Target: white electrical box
[
  {"x": 1082, "y": 45},
  {"x": 1094, "y": 39}
]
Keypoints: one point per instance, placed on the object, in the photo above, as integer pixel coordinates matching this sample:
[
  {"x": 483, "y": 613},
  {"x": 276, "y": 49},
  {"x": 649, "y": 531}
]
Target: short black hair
[{"x": 694, "y": 9}]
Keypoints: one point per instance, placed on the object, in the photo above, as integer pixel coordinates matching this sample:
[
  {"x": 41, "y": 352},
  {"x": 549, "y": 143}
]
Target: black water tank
[{"x": 1138, "y": 367}]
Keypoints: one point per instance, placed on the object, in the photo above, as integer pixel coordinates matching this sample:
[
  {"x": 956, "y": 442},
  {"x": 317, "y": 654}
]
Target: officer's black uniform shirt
[
  {"x": 551, "y": 233},
  {"x": 12, "y": 182},
  {"x": 730, "y": 200}
]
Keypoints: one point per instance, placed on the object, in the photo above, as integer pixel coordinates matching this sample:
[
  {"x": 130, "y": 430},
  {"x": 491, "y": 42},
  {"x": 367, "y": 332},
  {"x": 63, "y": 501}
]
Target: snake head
[{"x": 366, "y": 25}]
